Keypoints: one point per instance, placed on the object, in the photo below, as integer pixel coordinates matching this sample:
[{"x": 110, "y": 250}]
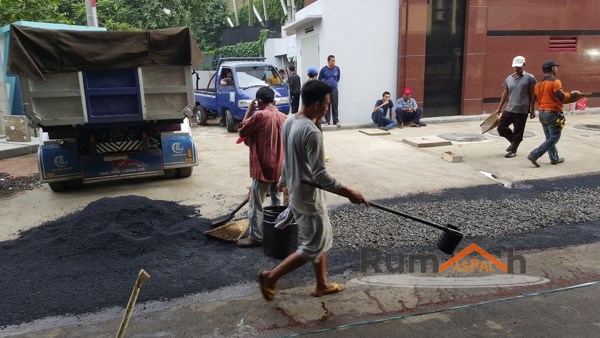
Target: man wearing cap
[
  {"x": 408, "y": 111},
  {"x": 312, "y": 73},
  {"x": 518, "y": 90},
  {"x": 550, "y": 98}
]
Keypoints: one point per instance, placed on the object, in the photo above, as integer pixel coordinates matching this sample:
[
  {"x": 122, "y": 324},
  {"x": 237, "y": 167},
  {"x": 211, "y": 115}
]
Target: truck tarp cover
[{"x": 35, "y": 51}]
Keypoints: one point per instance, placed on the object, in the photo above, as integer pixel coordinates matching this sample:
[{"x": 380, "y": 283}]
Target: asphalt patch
[
  {"x": 89, "y": 260},
  {"x": 11, "y": 184}
]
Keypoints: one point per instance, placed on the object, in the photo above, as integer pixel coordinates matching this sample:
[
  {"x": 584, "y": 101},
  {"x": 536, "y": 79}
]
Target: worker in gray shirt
[
  {"x": 518, "y": 90},
  {"x": 303, "y": 151}
]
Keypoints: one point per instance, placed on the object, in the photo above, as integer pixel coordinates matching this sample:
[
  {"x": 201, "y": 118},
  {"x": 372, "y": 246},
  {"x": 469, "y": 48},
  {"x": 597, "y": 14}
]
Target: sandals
[
  {"x": 335, "y": 288},
  {"x": 268, "y": 294}
]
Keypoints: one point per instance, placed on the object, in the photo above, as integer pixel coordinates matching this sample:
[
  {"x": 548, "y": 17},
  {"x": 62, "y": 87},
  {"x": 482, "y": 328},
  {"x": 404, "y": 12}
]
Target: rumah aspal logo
[
  {"x": 458, "y": 263},
  {"x": 472, "y": 267},
  {"x": 462, "y": 262}
]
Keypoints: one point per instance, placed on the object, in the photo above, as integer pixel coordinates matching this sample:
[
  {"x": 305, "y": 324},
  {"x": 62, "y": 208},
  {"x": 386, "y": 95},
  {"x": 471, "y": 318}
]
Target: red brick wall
[{"x": 497, "y": 31}]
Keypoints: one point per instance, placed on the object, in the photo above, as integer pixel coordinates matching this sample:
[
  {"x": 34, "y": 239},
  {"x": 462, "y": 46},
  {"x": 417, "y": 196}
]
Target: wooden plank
[
  {"x": 452, "y": 157},
  {"x": 374, "y": 132},
  {"x": 427, "y": 141}
]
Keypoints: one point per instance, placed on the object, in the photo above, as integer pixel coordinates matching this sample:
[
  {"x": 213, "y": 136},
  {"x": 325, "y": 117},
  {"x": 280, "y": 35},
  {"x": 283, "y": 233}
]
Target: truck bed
[{"x": 151, "y": 93}]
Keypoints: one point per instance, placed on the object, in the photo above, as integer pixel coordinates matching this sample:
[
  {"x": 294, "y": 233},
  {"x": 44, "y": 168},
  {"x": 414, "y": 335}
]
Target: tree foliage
[
  {"x": 207, "y": 20},
  {"x": 274, "y": 11},
  {"x": 32, "y": 10}
]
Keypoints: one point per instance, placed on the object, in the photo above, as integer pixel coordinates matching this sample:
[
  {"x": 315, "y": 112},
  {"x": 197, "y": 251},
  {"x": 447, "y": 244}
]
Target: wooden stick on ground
[{"x": 142, "y": 277}]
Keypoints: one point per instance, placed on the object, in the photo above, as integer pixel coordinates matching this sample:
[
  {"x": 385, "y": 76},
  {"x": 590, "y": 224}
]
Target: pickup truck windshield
[{"x": 251, "y": 76}]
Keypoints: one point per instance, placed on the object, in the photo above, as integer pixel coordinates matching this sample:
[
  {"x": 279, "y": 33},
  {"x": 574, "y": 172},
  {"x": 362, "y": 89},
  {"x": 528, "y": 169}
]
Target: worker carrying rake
[{"x": 304, "y": 160}]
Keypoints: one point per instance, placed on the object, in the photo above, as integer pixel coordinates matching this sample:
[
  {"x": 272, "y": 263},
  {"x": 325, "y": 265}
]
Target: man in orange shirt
[{"x": 550, "y": 97}]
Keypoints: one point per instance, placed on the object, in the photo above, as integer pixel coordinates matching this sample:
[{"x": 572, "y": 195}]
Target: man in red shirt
[{"x": 261, "y": 131}]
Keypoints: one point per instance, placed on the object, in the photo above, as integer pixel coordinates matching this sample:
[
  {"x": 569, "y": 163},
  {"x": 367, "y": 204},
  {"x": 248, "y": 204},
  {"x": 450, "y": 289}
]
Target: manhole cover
[
  {"x": 590, "y": 127},
  {"x": 463, "y": 137},
  {"x": 525, "y": 135},
  {"x": 491, "y": 281}
]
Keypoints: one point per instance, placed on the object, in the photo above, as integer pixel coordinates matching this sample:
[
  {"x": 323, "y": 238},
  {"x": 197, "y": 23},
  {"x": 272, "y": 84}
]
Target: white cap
[{"x": 518, "y": 61}]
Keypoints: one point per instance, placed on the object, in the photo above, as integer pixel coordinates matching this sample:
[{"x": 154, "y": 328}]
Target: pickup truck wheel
[
  {"x": 231, "y": 126},
  {"x": 170, "y": 173},
  {"x": 185, "y": 172},
  {"x": 58, "y": 186},
  {"x": 200, "y": 114}
]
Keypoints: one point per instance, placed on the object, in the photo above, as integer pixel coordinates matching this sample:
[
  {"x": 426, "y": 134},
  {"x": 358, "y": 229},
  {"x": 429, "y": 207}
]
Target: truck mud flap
[
  {"x": 122, "y": 165},
  {"x": 178, "y": 151},
  {"x": 59, "y": 162}
]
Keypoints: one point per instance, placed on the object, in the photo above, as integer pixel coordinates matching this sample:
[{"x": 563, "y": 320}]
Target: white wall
[
  {"x": 363, "y": 36},
  {"x": 276, "y": 51}
]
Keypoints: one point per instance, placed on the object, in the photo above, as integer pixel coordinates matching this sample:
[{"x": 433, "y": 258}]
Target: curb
[
  {"x": 450, "y": 119},
  {"x": 18, "y": 151}
]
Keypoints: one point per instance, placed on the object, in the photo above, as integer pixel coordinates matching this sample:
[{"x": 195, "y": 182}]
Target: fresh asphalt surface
[{"x": 76, "y": 273}]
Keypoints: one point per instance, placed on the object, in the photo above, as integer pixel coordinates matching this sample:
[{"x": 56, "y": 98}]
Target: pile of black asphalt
[
  {"x": 11, "y": 184},
  {"x": 88, "y": 260}
]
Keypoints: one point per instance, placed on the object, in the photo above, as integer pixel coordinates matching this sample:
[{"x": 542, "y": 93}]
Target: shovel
[
  {"x": 448, "y": 240},
  {"x": 224, "y": 219}
]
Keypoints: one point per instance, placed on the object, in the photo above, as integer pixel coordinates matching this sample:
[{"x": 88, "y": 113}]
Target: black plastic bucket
[{"x": 278, "y": 243}]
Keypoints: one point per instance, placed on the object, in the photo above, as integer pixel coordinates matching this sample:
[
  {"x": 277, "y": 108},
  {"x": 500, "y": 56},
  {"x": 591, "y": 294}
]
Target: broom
[{"x": 231, "y": 231}]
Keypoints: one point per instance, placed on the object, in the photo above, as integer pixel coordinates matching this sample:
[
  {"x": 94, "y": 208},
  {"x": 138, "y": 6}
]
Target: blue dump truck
[
  {"x": 110, "y": 105},
  {"x": 233, "y": 87}
]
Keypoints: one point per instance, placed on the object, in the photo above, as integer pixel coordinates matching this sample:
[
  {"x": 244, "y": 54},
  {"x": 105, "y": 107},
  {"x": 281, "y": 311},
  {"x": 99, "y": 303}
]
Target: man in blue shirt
[
  {"x": 381, "y": 109},
  {"x": 408, "y": 111},
  {"x": 331, "y": 75}
]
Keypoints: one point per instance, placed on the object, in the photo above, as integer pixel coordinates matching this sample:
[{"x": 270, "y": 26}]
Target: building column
[
  {"x": 473, "y": 64},
  {"x": 411, "y": 48}
]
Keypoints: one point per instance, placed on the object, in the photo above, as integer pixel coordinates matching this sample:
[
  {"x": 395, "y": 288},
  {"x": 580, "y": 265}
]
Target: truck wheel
[
  {"x": 200, "y": 114},
  {"x": 75, "y": 184},
  {"x": 170, "y": 173},
  {"x": 58, "y": 186},
  {"x": 231, "y": 126},
  {"x": 185, "y": 172}
]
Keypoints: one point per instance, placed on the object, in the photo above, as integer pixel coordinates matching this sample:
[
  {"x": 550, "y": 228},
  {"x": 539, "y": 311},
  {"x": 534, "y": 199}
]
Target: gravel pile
[
  {"x": 10, "y": 184},
  {"x": 89, "y": 260},
  {"x": 358, "y": 226}
]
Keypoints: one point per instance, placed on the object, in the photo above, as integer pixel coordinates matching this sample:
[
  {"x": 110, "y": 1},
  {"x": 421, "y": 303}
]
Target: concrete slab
[
  {"x": 374, "y": 132},
  {"x": 16, "y": 129},
  {"x": 13, "y": 149},
  {"x": 427, "y": 141}
]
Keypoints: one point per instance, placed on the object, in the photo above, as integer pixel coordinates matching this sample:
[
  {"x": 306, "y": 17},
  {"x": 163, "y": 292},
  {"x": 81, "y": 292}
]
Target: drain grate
[
  {"x": 463, "y": 137},
  {"x": 589, "y": 127}
]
